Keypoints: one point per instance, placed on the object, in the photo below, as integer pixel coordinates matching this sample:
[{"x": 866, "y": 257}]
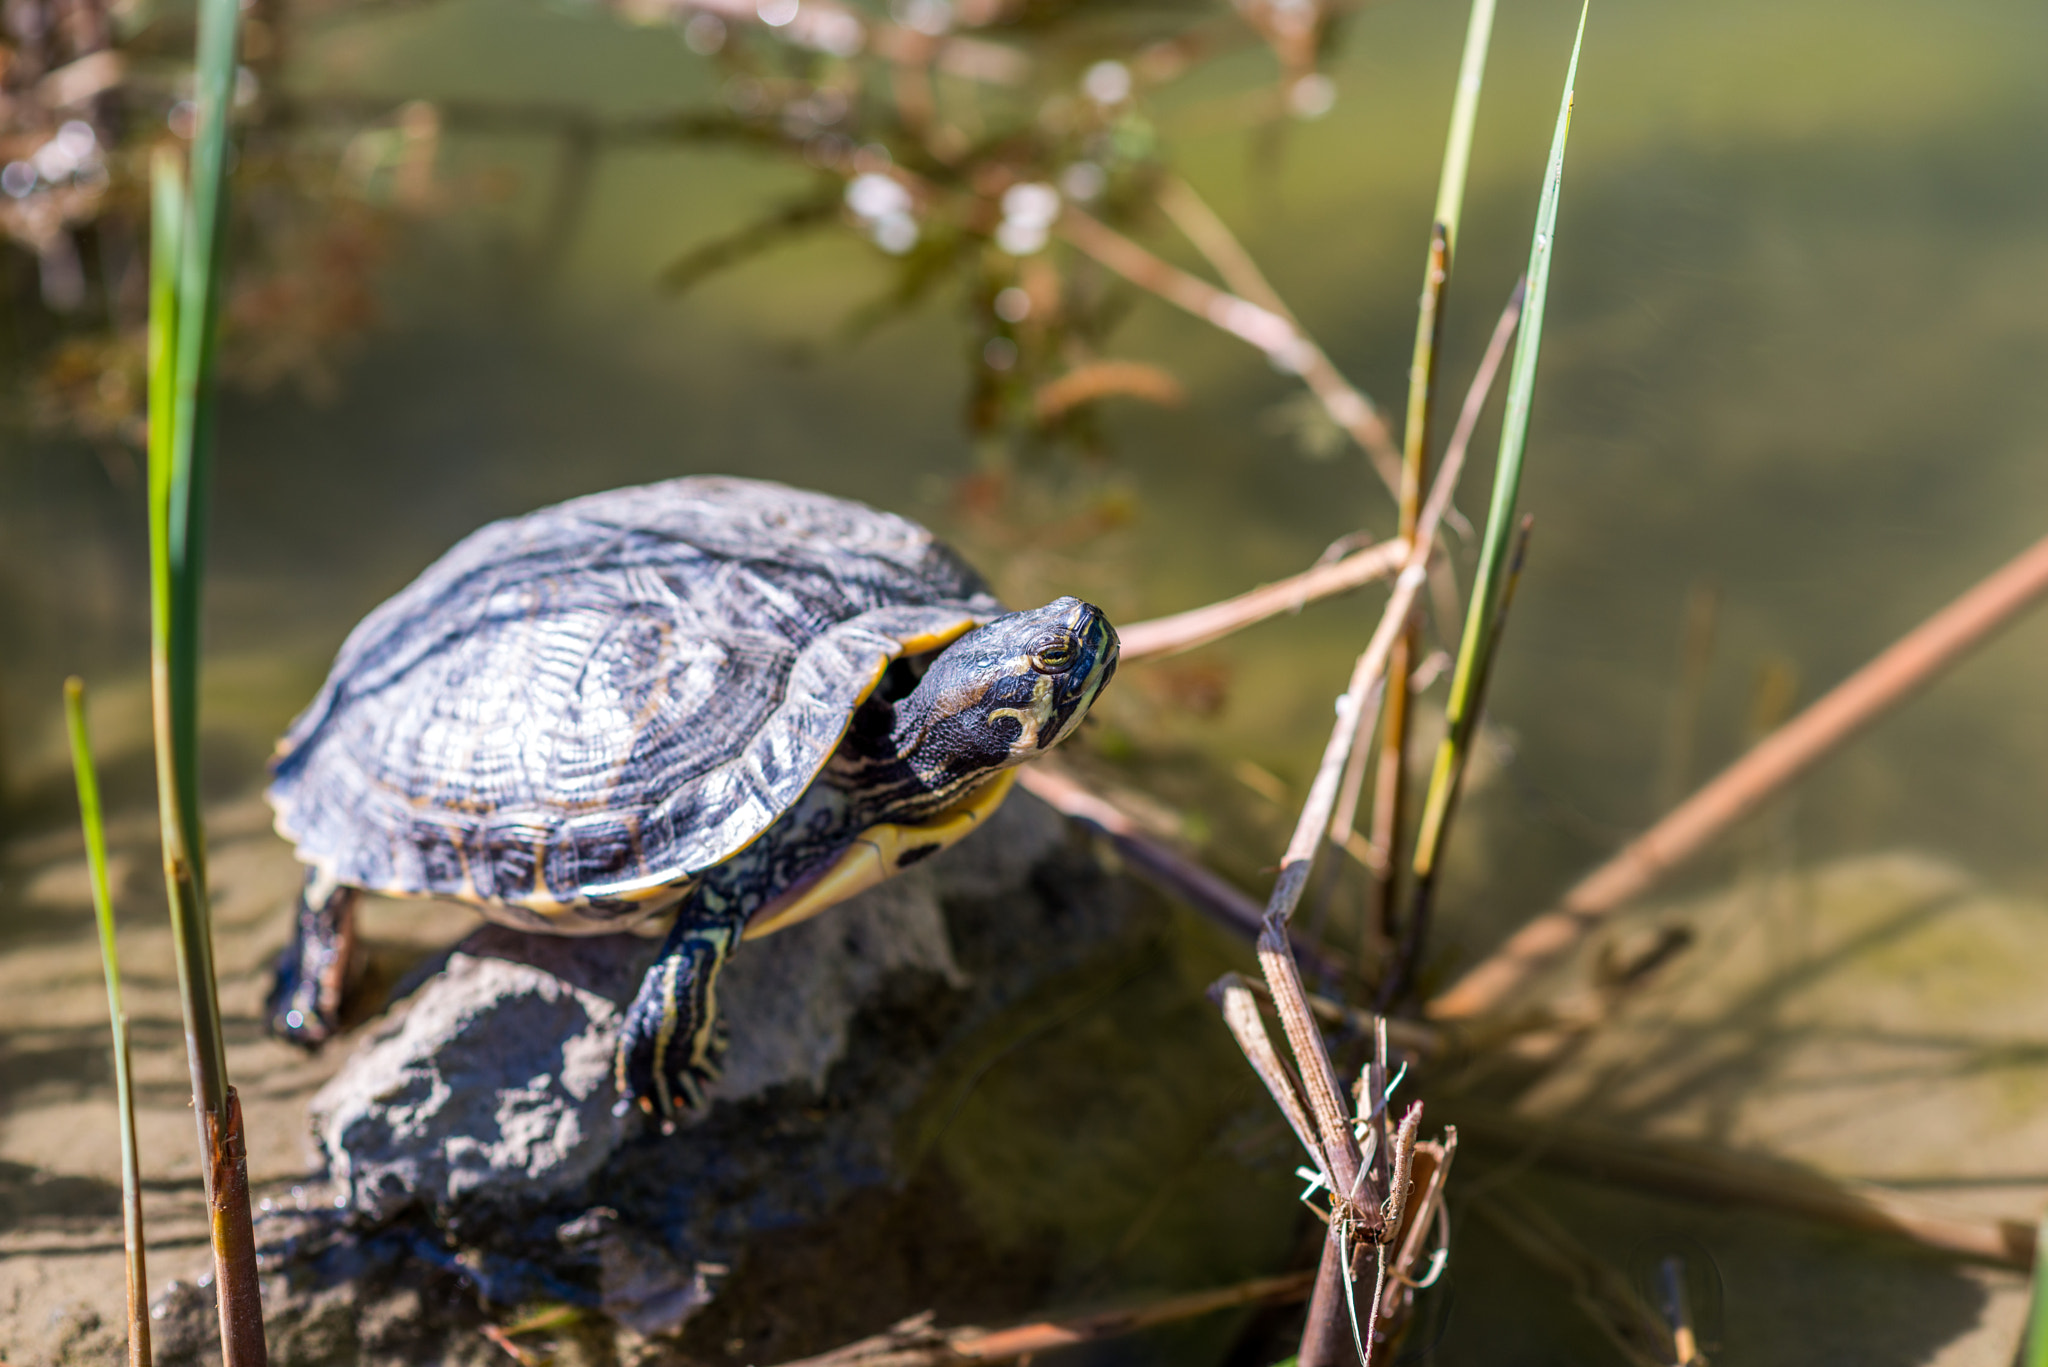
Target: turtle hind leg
[
  {"x": 669, "y": 1046},
  {"x": 312, "y": 972}
]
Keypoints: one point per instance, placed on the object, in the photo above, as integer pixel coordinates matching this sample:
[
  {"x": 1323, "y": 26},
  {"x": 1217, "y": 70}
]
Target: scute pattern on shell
[{"x": 606, "y": 696}]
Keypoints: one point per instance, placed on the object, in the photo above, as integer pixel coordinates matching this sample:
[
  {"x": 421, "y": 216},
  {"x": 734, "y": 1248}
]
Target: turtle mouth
[{"x": 1095, "y": 657}]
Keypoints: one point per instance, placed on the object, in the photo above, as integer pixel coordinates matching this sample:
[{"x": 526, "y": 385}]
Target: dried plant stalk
[{"x": 1160, "y": 636}]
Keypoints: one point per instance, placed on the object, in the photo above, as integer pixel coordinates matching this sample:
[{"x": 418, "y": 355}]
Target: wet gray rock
[
  {"x": 480, "y": 1167},
  {"x": 495, "y": 1085}
]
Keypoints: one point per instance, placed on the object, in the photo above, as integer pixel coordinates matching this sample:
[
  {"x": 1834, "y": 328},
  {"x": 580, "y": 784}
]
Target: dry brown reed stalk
[
  {"x": 918, "y": 1342},
  {"x": 1783, "y": 756},
  {"x": 1357, "y": 1181},
  {"x": 1183, "y": 631},
  {"x": 1722, "y": 1177},
  {"x": 1427, "y": 1223},
  {"x": 1167, "y": 868},
  {"x": 1270, "y": 331}
]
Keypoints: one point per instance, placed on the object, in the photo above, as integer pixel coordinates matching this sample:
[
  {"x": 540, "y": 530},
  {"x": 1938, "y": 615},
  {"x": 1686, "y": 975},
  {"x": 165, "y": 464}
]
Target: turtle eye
[{"x": 1049, "y": 659}]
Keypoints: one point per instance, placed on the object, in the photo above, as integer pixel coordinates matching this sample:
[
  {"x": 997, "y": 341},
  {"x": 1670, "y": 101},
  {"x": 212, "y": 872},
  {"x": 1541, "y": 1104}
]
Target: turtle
[{"x": 724, "y": 700}]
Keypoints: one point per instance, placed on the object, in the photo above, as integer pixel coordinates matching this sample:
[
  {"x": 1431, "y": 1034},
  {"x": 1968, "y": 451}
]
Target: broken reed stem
[
  {"x": 187, "y": 259},
  {"x": 1774, "y": 763},
  {"x": 1241, "y": 1014},
  {"x": 1312, "y": 1059},
  {"x": 1272, "y": 332},
  {"x": 90, "y": 819},
  {"x": 1425, "y": 1218},
  {"x": 1159, "y": 636},
  {"x": 1443, "y": 805}
]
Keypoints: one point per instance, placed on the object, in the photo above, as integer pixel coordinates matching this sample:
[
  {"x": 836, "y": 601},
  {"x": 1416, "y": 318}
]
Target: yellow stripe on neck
[{"x": 876, "y": 854}]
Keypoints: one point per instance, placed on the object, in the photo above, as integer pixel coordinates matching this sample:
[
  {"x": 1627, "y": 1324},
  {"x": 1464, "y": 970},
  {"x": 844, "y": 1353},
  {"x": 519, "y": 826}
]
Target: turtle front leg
[
  {"x": 669, "y": 1048},
  {"x": 305, "y": 1000}
]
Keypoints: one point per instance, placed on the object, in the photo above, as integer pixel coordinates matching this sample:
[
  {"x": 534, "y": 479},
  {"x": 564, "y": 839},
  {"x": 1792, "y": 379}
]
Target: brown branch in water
[
  {"x": 1270, "y": 331},
  {"x": 1773, "y": 764},
  {"x": 917, "y": 1342},
  {"x": 1199, "y": 626},
  {"x": 1167, "y": 868}
]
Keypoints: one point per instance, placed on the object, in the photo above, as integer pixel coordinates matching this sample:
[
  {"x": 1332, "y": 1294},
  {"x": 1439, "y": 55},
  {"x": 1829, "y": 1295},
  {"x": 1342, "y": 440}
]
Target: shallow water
[{"x": 1796, "y": 326}]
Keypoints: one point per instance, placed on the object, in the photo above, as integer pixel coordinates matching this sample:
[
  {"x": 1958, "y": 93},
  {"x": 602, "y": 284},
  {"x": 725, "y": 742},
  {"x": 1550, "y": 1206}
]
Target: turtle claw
[
  {"x": 669, "y": 1046},
  {"x": 305, "y": 1001},
  {"x": 297, "y": 1004}
]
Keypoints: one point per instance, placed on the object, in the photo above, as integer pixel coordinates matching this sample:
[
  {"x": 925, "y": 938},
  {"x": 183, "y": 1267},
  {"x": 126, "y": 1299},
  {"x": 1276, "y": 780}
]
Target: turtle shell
[{"x": 582, "y": 707}]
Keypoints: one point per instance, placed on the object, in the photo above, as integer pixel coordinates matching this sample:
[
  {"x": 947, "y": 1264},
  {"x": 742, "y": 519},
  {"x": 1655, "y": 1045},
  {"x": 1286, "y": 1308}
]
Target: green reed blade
[
  {"x": 1475, "y": 646},
  {"x": 188, "y": 247},
  {"x": 124, "y": 1091},
  {"x": 1389, "y": 798},
  {"x": 1450, "y": 189},
  {"x": 201, "y": 253},
  {"x": 2036, "y": 1353}
]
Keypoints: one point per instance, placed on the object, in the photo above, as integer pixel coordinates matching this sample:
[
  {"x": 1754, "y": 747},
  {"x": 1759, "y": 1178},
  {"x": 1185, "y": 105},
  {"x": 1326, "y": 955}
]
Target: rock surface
[
  {"x": 494, "y": 1087},
  {"x": 471, "y": 1136}
]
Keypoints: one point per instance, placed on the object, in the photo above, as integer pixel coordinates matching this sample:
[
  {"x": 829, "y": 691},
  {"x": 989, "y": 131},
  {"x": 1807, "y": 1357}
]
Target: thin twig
[
  {"x": 1212, "y": 237},
  {"x": 1162, "y": 865},
  {"x": 1773, "y": 764},
  {"x": 1271, "y": 332},
  {"x": 1199, "y": 626},
  {"x": 1241, "y": 1014}
]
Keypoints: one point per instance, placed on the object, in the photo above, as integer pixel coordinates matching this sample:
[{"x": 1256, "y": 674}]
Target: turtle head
[{"x": 1006, "y": 692}]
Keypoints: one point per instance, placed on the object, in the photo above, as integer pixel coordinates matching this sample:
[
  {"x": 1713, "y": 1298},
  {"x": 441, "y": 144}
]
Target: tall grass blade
[
  {"x": 1475, "y": 646},
  {"x": 124, "y": 1090},
  {"x": 2035, "y": 1353},
  {"x": 1450, "y": 188},
  {"x": 187, "y": 249},
  {"x": 1389, "y": 789}
]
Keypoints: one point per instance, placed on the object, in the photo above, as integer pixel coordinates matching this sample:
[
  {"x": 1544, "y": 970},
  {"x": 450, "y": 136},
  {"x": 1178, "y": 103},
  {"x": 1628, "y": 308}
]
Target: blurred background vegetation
[
  {"x": 1796, "y": 313},
  {"x": 494, "y": 253}
]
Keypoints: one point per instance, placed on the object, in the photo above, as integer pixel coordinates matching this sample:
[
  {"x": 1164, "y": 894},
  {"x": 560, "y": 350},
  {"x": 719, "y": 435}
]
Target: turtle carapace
[{"x": 719, "y": 699}]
